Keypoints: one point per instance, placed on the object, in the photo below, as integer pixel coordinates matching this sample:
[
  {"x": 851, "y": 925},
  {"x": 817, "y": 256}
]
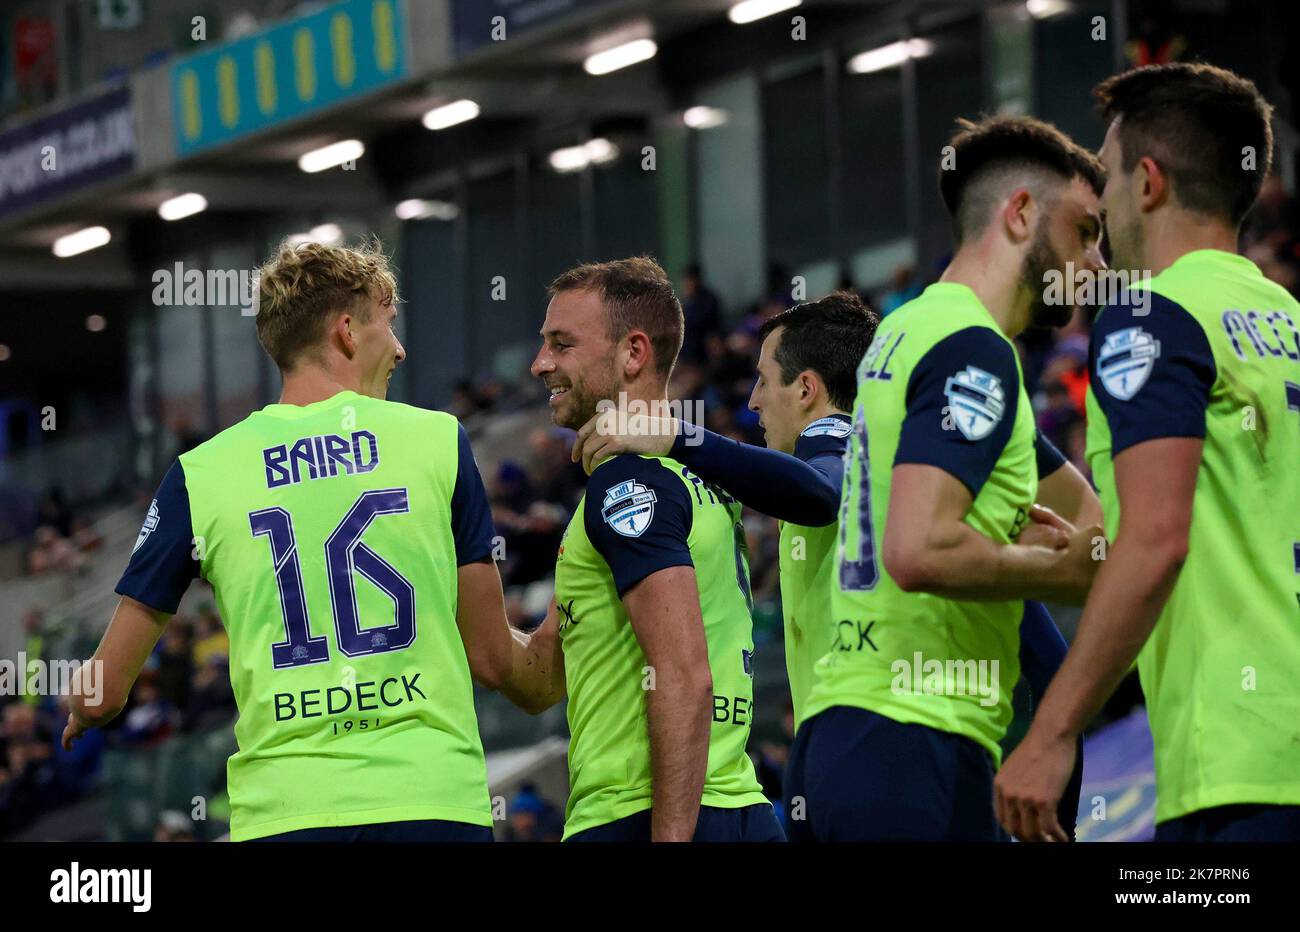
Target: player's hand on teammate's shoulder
[{"x": 611, "y": 432}]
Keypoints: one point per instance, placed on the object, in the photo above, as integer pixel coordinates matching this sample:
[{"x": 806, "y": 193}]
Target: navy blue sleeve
[
  {"x": 1042, "y": 651},
  {"x": 789, "y": 488},
  {"x": 638, "y": 516},
  {"x": 961, "y": 405},
  {"x": 162, "y": 565},
  {"x": 1042, "y": 648},
  {"x": 1151, "y": 374},
  {"x": 1049, "y": 458},
  {"x": 471, "y": 516}
]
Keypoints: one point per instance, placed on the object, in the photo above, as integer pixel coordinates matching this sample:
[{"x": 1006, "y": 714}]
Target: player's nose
[
  {"x": 542, "y": 363},
  {"x": 1095, "y": 260},
  {"x": 401, "y": 352}
]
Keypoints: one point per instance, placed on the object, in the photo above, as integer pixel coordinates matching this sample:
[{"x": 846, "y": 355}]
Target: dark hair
[
  {"x": 997, "y": 146},
  {"x": 637, "y": 295},
  {"x": 830, "y": 337},
  {"x": 1194, "y": 120}
]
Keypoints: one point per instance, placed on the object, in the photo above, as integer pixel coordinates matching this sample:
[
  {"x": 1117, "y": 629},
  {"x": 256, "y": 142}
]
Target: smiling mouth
[{"x": 558, "y": 391}]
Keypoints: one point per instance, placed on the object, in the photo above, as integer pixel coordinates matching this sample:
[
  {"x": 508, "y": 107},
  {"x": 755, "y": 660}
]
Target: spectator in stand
[
  {"x": 1270, "y": 236},
  {"x": 904, "y": 285},
  {"x": 1058, "y": 415},
  {"x": 29, "y": 782},
  {"x": 173, "y": 826},
  {"x": 149, "y": 718},
  {"x": 53, "y": 511},
  {"x": 703, "y": 315},
  {"x": 212, "y": 639},
  {"x": 51, "y": 553},
  {"x": 532, "y": 818},
  {"x": 175, "y": 659},
  {"x": 212, "y": 699}
]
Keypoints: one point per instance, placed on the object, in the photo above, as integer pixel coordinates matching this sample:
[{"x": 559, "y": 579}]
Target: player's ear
[
  {"x": 343, "y": 332},
  {"x": 1018, "y": 215},
  {"x": 1152, "y": 183},
  {"x": 809, "y": 388},
  {"x": 639, "y": 353}
]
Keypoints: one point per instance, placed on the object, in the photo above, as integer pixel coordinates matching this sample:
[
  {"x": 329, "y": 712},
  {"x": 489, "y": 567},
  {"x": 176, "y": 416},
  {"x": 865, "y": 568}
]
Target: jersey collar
[{"x": 295, "y": 412}]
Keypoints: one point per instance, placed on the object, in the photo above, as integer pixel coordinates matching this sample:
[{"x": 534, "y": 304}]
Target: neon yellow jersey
[
  {"x": 807, "y": 564},
  {"x": 940, "y": 385},
  {"x": 641, "y": 515},
  {"x": 1217, "y": 356},
  {"x": 331, "y": 534}
]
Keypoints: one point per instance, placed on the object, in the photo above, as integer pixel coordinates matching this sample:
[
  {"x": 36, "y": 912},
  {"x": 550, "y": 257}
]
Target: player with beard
[
  {"x": 907, "y": 709},
  {"x": 650, "y": 634},
  {"x": 1194, "y": 439}
]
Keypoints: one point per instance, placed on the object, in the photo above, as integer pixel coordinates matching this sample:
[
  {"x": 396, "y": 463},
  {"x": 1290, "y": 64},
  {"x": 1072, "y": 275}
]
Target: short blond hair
[{"x": 303, "y": 287}]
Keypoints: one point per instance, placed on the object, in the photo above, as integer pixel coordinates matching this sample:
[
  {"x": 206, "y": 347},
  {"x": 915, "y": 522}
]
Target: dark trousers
[
  {"x": 749, "y": 823},
  {"x": 854, "y": 775},
  {"x": 418, "y": 830},
  {"x": 1234, "y": 823}
]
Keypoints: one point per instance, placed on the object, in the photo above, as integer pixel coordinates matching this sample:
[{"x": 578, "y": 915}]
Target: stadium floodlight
[
  {"x": 95, "y": 323},
  {"x": 182, "y": 206},
  {"x": 419, "y": 209},
  {"x": 84, "y": 240},
  {"x": 1043, "y": 9},
  {"x": 326, "y": 233},
  {"x": 620, "y": 56},
  {"x": 890, "y": 56},
  {"x": 701, "y": 117},
  {"x": 569, "y": 159},
  {"x": 596, "y": 151},
  {"x": 747, "y": 11},
  {"x": 458, "y": 111},
  {"x": 331, "y": 156},
  {"x": 600, "y": 151}
]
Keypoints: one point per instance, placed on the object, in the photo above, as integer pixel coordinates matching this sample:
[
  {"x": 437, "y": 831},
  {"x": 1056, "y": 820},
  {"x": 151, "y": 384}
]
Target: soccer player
[
  {"x": 909, "y": 704},
  {"x": 347, "y": 540},
  {"x": 1194, "y": 439},
  {"x": 805, "y": 388},
  {"x": 652, "y": 609}
]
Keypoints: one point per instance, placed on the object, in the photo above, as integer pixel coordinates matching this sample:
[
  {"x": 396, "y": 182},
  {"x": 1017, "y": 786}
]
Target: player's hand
[
  {"x": 1077, "y": 564},
  {"x": 604, "y": 436},
  {"x": 1046, "y": 529},
  {"x": 73, "y": 730},
  {"x": 1029, "y": 786}
]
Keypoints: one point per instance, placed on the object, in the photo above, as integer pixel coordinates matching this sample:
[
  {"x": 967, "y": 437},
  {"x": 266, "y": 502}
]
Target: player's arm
[
  {"x": 651, "y": 565},
  {"x": 481, "y": 618},
  {"x": 104, "y": 684},
  {"x": 788, "y": 488},
  {"x": 1157, "y": 436},
  {"x": 490, "y": 647},
  {"x": 1062, "y": 488},
  {"x": 664, "y": 610},
  {"x": 941, "y": 464},
  {"x": 161, "y": 567},
  {"x": 537, "y": 680}
]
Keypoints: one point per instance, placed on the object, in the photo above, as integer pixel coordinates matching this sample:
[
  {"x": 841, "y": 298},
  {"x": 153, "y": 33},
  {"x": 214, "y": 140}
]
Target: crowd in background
[{"x": 185, "y": 686}]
